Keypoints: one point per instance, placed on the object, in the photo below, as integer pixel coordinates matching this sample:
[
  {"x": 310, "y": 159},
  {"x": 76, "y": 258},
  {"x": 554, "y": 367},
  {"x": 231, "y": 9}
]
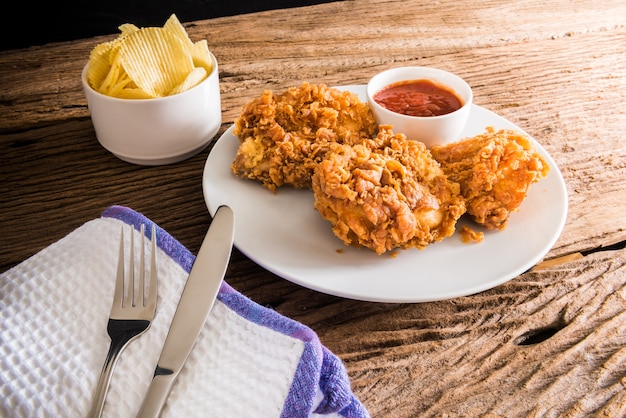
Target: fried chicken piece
[
  {"x": 495, "y": 170},
  {"x": 283, "y": 136},
  {"x": 386, "y": 193}
]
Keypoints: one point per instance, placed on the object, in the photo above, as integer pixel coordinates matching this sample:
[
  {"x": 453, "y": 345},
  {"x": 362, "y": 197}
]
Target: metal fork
[{"x": 131, "y": 313}]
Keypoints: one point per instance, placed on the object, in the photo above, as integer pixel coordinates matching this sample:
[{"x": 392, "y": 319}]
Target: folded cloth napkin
[{"x": 249, "y": 361}]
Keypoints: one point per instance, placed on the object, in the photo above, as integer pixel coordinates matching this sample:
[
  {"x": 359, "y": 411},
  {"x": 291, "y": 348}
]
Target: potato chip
[
  {"x": 201, "y": 55},
  {"x": 156, "y": 60},
  {"x": 193, "y": 79},
  {"x": 149, "y": 62},
  {"x": 199, "y": 50},
  {"x": 127, "y": 29},
  {"x": 174, "y": 26},
  {"x": 100, "y": 60}
]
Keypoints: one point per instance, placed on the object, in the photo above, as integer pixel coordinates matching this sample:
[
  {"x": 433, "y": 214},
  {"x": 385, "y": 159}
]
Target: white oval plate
[{"x": 284, "y": 234}]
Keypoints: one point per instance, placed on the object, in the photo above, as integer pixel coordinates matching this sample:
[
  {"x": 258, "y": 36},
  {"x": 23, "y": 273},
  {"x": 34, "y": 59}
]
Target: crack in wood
[{"x": 618, "y": 245}]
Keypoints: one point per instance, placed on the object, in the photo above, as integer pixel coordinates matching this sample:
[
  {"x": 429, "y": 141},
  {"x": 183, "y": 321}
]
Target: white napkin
[{"x": 249, "y": 361}]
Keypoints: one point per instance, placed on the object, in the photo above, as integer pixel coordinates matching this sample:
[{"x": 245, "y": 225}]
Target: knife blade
[{"x": 193, "y": 309}]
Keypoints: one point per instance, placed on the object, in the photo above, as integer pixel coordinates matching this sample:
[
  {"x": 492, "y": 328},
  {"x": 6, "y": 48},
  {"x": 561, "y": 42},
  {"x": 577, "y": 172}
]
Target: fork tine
[
  {"x": 142, "y": 276},
  {"x": 118, "y": 297},
  {"x": 153, "y": 271},
  {"x": 130, "y": 294}
]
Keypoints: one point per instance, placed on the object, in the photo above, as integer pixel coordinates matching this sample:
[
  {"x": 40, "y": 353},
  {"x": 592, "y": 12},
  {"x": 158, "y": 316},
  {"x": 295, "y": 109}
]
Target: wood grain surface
[{"x": 548, "y": 343}]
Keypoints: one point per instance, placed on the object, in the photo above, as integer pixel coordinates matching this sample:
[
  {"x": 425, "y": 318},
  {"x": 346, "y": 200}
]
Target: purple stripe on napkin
[{"x": 318, "y": 368}]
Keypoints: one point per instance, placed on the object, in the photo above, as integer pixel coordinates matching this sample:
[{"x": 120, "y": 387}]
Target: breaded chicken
[
  {"x": 386, "y": 193},
  {"x": 283, "y": 136},
  {"x": 495, "y": 170}
]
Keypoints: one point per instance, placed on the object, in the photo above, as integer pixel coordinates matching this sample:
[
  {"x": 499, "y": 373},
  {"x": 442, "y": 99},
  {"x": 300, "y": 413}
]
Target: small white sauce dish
[
  {"x": 431, "y": 130},
  {"x": 157, "y": 131}
]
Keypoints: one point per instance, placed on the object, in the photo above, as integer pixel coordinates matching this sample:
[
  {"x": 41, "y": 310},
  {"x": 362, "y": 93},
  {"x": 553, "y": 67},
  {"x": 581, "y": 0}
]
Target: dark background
[{"x": 29, "y": 24}]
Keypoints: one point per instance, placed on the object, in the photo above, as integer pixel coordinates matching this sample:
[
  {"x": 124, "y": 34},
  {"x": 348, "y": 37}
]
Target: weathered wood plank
[{"x": 557, "y": 70}]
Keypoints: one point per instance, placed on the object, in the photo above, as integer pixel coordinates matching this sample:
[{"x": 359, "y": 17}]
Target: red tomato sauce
[{"x": 418, "y": 98}]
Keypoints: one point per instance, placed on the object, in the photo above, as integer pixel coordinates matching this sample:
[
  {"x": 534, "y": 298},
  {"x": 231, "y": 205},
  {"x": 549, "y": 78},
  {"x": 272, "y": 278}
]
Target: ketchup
[{"x": 418, "y": 98}]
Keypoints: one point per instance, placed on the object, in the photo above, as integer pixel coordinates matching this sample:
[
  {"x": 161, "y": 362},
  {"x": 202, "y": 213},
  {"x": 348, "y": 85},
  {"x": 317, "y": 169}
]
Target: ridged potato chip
[
  {"x": 193, "y": 78},
  {"x": 143, "y": 63},
  {"x": 156, "y": 60}
]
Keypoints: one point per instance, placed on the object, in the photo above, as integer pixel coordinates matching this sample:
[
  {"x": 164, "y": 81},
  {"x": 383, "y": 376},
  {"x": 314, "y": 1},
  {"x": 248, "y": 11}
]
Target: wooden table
[{"x": 556, "y": 69}]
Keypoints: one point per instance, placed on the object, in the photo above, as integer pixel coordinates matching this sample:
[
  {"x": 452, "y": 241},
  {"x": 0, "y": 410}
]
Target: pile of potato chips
[{"x": 144, "y": 63}]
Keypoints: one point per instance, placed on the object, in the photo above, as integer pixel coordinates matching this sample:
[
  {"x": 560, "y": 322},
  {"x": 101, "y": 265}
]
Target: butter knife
[{"x": 193, "y": 309}]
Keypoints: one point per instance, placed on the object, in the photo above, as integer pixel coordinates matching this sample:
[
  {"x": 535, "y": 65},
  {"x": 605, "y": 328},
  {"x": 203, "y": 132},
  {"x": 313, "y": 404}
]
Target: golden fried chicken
[
  {"x": 386, "y": 193},
  {"x": 495, "y": 170},
  {"x": 283, "y": 136}
]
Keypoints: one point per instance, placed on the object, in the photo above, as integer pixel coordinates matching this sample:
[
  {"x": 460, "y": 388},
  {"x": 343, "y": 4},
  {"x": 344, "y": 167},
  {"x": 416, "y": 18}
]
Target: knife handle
[{"x": 158, "y": 392}]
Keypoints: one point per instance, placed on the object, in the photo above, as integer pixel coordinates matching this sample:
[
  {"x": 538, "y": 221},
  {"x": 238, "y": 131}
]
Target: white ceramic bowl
[
  {"x": 431, "y": 130},
  {"x": 157, "y": 131}
]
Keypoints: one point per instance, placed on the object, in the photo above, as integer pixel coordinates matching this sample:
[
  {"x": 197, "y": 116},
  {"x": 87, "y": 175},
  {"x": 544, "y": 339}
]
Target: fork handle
[{"x": 119, "y": 340}]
